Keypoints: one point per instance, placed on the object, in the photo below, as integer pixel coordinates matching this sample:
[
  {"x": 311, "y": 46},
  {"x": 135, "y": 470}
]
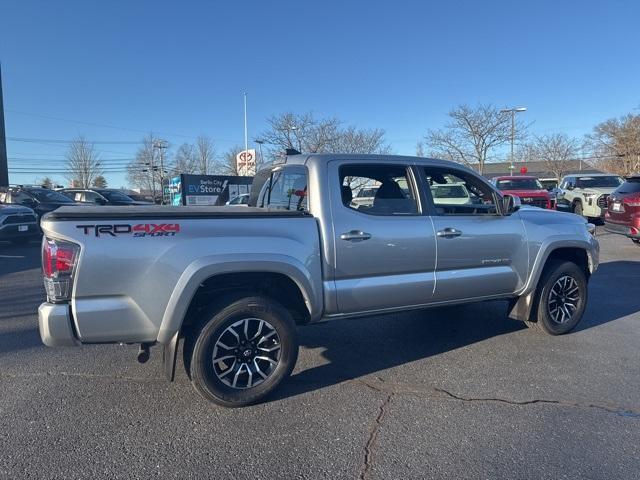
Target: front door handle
[
  {"x": 355, "y": 235},
  {"x": 449, "y": 233}
]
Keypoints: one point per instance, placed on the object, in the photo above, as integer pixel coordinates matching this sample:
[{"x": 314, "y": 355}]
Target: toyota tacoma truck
[{"x": 235, "y": 284}]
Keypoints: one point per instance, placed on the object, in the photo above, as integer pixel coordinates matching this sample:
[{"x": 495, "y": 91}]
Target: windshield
[
  {"x": 448, "y": 191},
  {"x": 49, "y": 196},
  {"x": 520, "y": 184},
  {"x": 605, "y": 181},
  {"x": 117, "y": 197}
]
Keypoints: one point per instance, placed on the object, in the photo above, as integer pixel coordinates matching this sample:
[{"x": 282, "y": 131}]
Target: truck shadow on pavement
[{"x": 359, "y": 347}]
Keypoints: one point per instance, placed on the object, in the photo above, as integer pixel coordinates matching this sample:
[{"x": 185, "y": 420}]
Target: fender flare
[
  {"x": 520, "y": 308},
  {"x": 213, "y": 265},
  {"x": 550, "y": 245}
]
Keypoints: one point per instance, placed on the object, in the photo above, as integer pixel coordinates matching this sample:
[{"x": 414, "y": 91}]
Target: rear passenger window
[
  {"x": 378, "y": 189},
  {"x": 287, "y": 189}
]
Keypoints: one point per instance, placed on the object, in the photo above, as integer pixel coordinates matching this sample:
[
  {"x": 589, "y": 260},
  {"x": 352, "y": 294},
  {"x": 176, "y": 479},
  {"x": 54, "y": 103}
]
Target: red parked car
[
  {"x": 529, "y": 189},
  {"x": 623, "y": 209}
]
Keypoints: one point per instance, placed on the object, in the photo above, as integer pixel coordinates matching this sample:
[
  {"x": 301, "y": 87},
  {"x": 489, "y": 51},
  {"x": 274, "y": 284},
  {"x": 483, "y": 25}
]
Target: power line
[
  {"x": 48, "y": 140},
  {"x": 94, "y": 124}
]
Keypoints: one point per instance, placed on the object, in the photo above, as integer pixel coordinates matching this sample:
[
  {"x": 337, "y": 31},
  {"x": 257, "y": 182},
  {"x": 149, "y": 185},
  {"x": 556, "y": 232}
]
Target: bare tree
[
  {"x": 185, "y": 160},
  {"x": 47, "y": 182},
  {"x": 145, "y": 171},
  {"x": 472, "y": 135},
  {"x": 227, "y": 164},
  {"x": 205, "y": 154},
  {"x": 305, "y": 133},
  {"x": 100, "y": 182},
  {"x": 556, "y": 151},
  {"x": 83, "y": 163},
  {"x": 617, "y": 143},
  {"x": 352, "y": 140}
]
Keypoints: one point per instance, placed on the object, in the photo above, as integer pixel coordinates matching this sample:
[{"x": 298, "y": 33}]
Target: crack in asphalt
[
  {"x": 383, "y": 386},
  {"x": 620, "y": 412},
  {"x": 380, "y": 385},
  {"x": 373, "y": 436}
]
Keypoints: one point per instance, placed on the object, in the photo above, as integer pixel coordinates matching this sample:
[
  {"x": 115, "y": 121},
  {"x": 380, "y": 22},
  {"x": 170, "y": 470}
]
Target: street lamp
[
  {"x": 259, "y": 141},
  {"x": 513, "y": 112}
]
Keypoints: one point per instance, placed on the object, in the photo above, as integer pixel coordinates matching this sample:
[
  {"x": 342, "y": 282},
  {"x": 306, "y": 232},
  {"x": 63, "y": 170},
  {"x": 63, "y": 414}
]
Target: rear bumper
[
  {"x": 54, "y": 323},
  {"x": 621, "y": 229}
]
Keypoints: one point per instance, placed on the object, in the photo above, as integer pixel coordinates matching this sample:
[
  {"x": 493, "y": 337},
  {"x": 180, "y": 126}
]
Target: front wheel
[
  {"x": 243, "y": 352},
  {"x": 562, "y": 298},
  {"x": 577, "y": 208}
]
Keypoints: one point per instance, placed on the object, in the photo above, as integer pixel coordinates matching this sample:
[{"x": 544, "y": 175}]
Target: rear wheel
[
  {"x": 243, "y": 352},
  {"x": 561, "y": 298}
]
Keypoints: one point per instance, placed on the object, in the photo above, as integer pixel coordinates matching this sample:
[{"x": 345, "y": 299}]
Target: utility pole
[
  {"x": 161, "y": 145},
  {"x": 513, "y": 112},
  {"x": 4, "y": 169}
]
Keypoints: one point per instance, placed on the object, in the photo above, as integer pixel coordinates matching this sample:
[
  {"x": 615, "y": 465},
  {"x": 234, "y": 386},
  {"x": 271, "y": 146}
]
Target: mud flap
[
  {"x": 169, "y": 354},
  {"x": 520, "y": 308}
]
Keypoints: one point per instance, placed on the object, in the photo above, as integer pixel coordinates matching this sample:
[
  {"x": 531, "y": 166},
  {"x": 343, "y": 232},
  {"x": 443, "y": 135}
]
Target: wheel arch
[
  {"x": 208, "y": 274},
  {"x": 578, "y": 252}
]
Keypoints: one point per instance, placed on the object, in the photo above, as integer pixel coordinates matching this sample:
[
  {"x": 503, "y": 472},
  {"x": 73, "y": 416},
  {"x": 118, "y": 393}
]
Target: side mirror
[
  {"x": 510, "y": 204},
  {"x": 569, "y": 187},
  {"x": 28, "y": 202}
]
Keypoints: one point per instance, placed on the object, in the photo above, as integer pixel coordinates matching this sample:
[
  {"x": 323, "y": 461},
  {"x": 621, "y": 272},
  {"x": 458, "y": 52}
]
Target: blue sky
[{"x": 179, "y": 68}]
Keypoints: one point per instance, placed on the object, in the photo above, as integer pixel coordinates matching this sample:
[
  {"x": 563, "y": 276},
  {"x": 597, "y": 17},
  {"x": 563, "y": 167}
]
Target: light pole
[
  {"x": 259, "y": 141},
  {"x": 513, "y": 112},
  {"x": 294, "y": 129}
]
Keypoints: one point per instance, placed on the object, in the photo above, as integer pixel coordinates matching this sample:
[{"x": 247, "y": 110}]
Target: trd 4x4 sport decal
[{"x": 138, "y": 230}]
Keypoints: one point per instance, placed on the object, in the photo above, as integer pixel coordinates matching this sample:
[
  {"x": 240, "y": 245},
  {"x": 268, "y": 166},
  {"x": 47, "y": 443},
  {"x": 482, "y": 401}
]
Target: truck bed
[{"x": 165, "y": 212}]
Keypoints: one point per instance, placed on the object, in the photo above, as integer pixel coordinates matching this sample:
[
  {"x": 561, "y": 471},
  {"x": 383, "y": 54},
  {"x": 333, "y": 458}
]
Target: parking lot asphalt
[{"x": 461, "y": 392}]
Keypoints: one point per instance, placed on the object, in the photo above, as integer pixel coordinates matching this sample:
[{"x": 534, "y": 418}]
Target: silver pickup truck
[{"x": 235, "y": 283}]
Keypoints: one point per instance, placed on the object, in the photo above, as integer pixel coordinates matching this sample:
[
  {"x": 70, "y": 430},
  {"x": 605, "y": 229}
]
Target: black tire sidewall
[
  {"x": 202, "y": 371},
  {"x": 551, "y": 275}
]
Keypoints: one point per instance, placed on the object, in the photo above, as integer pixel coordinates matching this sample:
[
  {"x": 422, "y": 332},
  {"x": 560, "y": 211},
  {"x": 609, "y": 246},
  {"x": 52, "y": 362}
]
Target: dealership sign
[
  {"x": 209, "y": 190},
  {"x": 246, "y": 163}
]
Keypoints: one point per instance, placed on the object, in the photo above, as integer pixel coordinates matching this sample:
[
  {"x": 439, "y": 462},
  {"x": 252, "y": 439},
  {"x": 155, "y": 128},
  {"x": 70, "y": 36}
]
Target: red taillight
[
  {"x": 58, "y": 261},
  {"x": 47, "y": 258},
  {"x": 65, "y": 259}
]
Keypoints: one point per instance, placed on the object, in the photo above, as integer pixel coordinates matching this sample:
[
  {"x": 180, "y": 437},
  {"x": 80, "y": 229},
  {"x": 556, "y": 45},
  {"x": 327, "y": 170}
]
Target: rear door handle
[
  {"x": 449, "y": 233},
  {"x": 355, "y": 235}
]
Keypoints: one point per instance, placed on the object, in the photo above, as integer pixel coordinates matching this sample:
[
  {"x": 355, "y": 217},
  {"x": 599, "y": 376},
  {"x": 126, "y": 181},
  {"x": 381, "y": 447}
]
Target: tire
[
  {"x": 554, "y": 277},
  {"x": 249, "y": 366},
  {"x": 577, "y": 208}
]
